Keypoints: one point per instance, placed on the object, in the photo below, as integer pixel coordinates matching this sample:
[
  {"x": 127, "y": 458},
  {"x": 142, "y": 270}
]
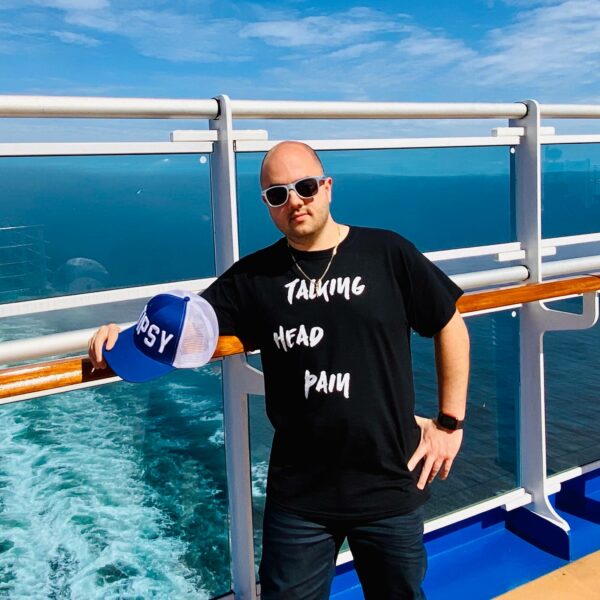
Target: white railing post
[
  {"x": 550, "y": 530},
  {"x": 528, "y": 206},
  {"x": 235, "y": 404}
]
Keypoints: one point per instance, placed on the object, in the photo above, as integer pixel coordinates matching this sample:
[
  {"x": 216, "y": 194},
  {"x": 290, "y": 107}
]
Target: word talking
[
  {"x": 327, "y": 384},
  {"x": 151, "y": 331},
  {"x": 297, "y": 336},
  {"x": 299, "y": 289}
]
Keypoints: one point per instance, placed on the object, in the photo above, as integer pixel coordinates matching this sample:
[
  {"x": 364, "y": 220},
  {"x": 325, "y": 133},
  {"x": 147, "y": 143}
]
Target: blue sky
[{"x": 465, "y": 50}]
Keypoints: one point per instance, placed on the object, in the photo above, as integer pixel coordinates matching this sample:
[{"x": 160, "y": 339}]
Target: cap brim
[{"x": 130, "y": 364}]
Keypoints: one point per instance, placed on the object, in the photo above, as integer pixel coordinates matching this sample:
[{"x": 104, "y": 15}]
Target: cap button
[{"x": 186, "y": 299}]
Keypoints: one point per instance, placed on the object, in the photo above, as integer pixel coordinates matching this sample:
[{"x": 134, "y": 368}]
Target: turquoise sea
[{"x": 120, "y": 491}]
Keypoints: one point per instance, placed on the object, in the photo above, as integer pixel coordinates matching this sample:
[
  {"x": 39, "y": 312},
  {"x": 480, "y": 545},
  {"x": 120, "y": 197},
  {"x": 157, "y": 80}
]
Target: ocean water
[{"x": 120, "y": 491}]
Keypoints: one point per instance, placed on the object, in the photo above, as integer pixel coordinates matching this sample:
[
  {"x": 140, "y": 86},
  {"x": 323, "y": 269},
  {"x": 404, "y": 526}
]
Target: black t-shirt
[{"x": 337, "y": 366}]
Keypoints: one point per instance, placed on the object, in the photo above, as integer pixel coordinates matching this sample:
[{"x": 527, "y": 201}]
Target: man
[{"x": 332, "y": 307}]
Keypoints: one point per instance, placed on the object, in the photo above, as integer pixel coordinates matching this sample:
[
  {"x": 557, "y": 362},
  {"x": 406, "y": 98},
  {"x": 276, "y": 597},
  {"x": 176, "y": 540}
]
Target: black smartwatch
[{"x": 448, "y": 422}]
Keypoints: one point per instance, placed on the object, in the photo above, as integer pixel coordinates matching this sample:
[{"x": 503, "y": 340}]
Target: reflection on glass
[
  {"x": 116, "y": 492},
  {"x": 76, "y": 224},
  {"x": 438, "y": 198},
  {"x": 572, "y": 387},
  {"x": 570, "y": 189},
  {"x": 487, "y": 463}
]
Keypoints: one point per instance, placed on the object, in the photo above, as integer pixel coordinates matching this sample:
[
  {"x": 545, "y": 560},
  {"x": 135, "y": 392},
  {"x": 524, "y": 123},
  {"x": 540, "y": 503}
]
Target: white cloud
[
  {"x": 70, "y": 37},
  {"x": 322, "y": 30},
  {"x": 554, "y": 46},
  {"x": 168, "y": 35},
  {"x": 550, "y": 49},
  {"x": 357, "y": 50}
]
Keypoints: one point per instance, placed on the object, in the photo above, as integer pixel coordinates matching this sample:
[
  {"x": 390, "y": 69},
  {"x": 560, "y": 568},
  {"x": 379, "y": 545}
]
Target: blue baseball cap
[{"x": 177, "y": 329}]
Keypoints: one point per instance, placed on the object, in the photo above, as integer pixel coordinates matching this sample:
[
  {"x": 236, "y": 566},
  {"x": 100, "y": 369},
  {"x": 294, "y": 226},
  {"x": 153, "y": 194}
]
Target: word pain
[{"x": 327, "y": 383}]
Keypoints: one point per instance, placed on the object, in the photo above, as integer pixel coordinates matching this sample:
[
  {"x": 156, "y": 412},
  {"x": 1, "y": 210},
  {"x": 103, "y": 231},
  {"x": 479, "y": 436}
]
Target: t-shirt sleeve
[
  {"x": 432, "y": 296},
  {"x": 230, "y": 303}
]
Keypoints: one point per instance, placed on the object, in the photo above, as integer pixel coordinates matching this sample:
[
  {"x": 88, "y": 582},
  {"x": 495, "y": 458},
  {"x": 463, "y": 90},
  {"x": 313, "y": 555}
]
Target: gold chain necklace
[{"x": 317, "y": 283}]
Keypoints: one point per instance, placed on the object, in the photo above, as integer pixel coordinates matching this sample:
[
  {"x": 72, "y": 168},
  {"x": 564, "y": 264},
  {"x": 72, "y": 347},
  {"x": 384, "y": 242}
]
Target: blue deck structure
[
  {"x": 481, "y": 558},
  {"x": 158, "y": 489}
]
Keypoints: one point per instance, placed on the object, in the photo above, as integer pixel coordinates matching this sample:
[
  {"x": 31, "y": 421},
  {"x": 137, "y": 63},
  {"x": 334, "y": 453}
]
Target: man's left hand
[{"x": 439, "y": 447}]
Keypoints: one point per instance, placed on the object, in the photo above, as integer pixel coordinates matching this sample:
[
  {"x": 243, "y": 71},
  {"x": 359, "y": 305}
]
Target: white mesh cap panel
[{"x": 200, "y": 332}]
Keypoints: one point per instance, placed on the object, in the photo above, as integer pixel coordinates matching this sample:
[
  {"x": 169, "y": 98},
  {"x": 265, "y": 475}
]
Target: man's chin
[{"x": 300, "y": 228}]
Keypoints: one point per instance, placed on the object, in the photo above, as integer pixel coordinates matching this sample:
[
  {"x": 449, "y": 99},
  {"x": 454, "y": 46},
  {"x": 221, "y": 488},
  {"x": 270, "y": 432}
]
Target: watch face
[{"x": 448, "y": 422}]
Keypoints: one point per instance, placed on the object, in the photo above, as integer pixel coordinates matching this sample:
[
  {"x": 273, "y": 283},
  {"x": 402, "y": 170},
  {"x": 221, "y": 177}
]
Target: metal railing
[
  {"x": 151, "y": 108},
  {"x": 524, "y": 133}
]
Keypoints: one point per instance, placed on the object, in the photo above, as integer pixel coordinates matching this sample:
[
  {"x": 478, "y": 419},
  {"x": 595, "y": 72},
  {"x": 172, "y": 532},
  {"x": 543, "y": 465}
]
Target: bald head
[{"x": 286, "y": 160}]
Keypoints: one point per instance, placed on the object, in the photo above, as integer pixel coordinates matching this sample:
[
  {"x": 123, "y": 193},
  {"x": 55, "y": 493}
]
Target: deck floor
[{"x": 579, "y": 579}]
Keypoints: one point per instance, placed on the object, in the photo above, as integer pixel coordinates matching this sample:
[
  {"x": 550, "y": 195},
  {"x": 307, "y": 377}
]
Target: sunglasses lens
[
  {"x": 307, "y": 187},
  {"x": 276, "y": 195}
]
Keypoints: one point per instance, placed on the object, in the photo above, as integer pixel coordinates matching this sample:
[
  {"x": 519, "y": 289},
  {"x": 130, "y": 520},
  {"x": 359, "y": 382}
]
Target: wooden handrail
[
  {"x": 528, "y": 292},
  {"x": 56, "y": 374},
  {"x": 63, "y": 372}
]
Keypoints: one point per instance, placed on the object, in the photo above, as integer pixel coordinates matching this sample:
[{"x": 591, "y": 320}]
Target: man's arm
[{"x": 439, "y": 446}]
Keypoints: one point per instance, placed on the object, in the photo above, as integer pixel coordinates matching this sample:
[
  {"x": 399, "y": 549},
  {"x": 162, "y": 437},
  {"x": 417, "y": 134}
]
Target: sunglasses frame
[{"x": 292, "y": 186}]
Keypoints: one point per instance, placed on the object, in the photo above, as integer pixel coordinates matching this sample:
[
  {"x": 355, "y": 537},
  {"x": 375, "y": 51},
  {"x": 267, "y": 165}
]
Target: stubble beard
[{"x": 306, "y": 233}]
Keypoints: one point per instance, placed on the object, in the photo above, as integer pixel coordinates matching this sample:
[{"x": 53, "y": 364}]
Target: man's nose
[{"x": 294, "y": 200}]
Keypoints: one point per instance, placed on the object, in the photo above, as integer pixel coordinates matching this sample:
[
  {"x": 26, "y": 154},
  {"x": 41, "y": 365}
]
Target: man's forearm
[{"x": 452, "y": 366}]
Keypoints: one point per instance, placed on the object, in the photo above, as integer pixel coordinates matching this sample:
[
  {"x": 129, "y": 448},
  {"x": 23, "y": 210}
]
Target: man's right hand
[{"x": 106, "y": 334}]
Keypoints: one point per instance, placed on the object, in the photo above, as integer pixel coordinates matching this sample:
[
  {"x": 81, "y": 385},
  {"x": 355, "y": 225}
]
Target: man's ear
[{"x": 330, "y": 188}]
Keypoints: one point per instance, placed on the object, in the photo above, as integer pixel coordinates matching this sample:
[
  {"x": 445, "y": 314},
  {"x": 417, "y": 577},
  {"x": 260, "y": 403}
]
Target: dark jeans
[{"x": 298, "y": 560}]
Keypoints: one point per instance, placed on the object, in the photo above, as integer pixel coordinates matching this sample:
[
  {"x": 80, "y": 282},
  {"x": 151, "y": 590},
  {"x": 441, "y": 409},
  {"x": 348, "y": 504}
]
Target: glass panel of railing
[
  {"x": 487, "y": 463},
  {"x": 570, "y": 189},
  {"x": 69, "y": 319},
  {"x": 439, "y": 198},
  {"x": 82, "y": 223},
  {"x": 572, "y": 388},
  {"x": 116, "y": 492}
]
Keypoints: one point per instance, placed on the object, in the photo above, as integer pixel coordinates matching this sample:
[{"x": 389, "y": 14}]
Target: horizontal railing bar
[
  {"x": 102, "y": 148},
  {"x": 477, "y": 509},
  {"x": 153, "y": 108},
  {"x": 292, "y": 109},
  {"x": 479, "y": 279},
  {"x": 570, "y": 111},
  {"x": 16, "y": 381},
  {"x": 385, "y": 143},
  {"x": 52, "y": 344},
  {"x": 569, "y": 240},
  {"x": 114, "y": 108},
  {"x": 570, "y": 265},
  {"x": 570, "y": 139},
  {"x": 472, "y": 251},
  {"x": 174, "y": 108},
  {"x": 574, "y": 472},
  {"x": 29, "y": 307}
]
